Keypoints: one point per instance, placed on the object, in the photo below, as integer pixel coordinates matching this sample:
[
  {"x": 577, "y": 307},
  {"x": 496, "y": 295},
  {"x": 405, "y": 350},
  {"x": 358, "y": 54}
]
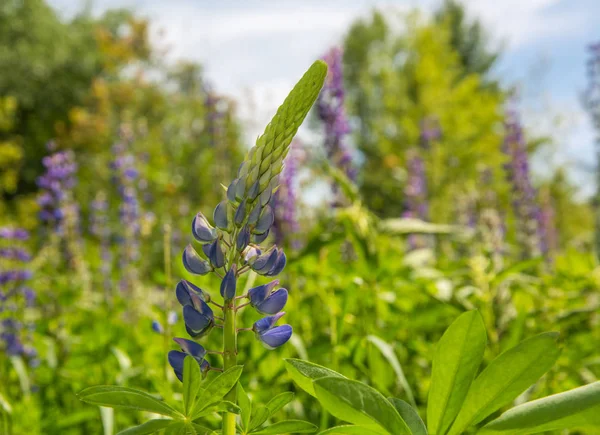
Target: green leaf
[
  {"x": 388, "y": 352},
  {"x": 149, "y": 427},
  {"x": 289, "y": 426},
  {"x": 304, "y": 372},
  {"x": 457, "y": 357},
  {"x": 349, "y": 430},
  {"x": 223, "y": 406},
  {"x": 279, "y": 401},
  {"x": 507, "y": 376},
  {"x": 260, "y": 416},
  {"x": 218, "y": 388},
  {"x": 577, "y": 408},
  {"x": 123, "y": 397},
  {"x": 201, "y": 430},
  {"x": 357, "y": 403},
  {"x": 180, "y": 428},
  {"x": 245, "y": 405},
  {"x": 191, "y": 383},
  {"x": 410, "y": 416}
]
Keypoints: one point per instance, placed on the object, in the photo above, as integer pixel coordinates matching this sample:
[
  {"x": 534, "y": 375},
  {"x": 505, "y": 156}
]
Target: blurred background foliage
[{"x": 372, "y": 286}]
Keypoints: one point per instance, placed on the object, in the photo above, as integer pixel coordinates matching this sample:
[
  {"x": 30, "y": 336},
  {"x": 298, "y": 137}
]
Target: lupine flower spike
[{"x": 233, "y": 244}]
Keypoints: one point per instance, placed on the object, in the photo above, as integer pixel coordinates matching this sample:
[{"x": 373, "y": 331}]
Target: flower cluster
[
  {"x": 57, "y": 184},
  {"x": 125, "y": 176},
  {"x": 525, "y": 205},
  {"x": 14, "y": 294},
  {"x": 234, "y": 244},
  {"x": 415, "y": 194},
  {"x": 285, "y": 200},
  {"x": 330, "y": 109}
]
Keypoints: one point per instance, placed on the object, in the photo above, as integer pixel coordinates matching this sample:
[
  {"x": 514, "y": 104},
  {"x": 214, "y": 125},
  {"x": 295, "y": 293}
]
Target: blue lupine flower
[
  {"x": 229, "y": 284},
  {"x": 270, "y": 335},
  {"x": 197, "y": 315},
  {"x": 202, "y": 230},
  {"x": 185, "y": 289},
  {"x": 188, "y": 347},
  {"x": 265, "y": 301},
  {"x": 193, "y": 263}
]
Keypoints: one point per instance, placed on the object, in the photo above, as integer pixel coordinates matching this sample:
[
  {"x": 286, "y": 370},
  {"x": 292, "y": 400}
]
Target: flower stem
[{"x": 229, "y": 360}]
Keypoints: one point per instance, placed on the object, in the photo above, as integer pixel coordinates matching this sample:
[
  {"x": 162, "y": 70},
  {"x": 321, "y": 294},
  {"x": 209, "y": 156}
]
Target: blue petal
[
  {"x": 202, "y": 230},
  {"x": 185, "y": 288},
  {"x": 193, "y": 263},
  {"x": 231, "y": 190},
  {"x": 279, "y": 264},
  {"x": 220, "y": 215},
  {"x": 276, "y": 337},
  {"x": 259, "y": 238},
  {"x": 274, "y": 303},
  {"x": 265, "y": 196},
  {"x": 265, "y": 220},
  {"x": 254, "y": 214},
  {"x": 253, "y": 191},
  {"x": 197, "y": 322},
  {"x": 176, "y": 360},
  {"x": 266, "y": 323},
  {"x": 229, "y": 283},
  {"x": 240, "y": 213},
  {"x": 263, "y": 269},
  {"x": 216, "y": 255},
  {"x": 258, "y": 294},
  {"x": 191, "y": 347},
  {"x": 243, "y": 239}
]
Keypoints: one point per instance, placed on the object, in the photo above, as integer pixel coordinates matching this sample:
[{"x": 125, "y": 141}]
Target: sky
[{"x": 256, "y": 50}]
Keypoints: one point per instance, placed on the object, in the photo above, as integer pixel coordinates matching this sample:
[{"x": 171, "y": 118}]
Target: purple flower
[
  {"x": 525, "y": 206},
  {"x": 270, "y": 335},
  {"x": 415, "y": 193},
  {"x": 285, "y": 201},
  {"x": 330, "y": 109}
]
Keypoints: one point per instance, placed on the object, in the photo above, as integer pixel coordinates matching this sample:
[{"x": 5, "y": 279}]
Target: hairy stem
[{"x": 229, "y": 360}]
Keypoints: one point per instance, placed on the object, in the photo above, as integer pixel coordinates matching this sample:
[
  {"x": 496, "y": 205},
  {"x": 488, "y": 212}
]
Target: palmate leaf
[
  {"x": 288, "y": 426},
  {"x": 357, "y": 403},
  {"x": 216, "y": 390},
  {"x": 128, "y": 398},
  {"x": 149, "y": 427},
  {"x": 507, "y": 376},
  {"x": 577, "y": 408},
  {"x": 455, "y": 363},
  {"x": 245, "y": 407},
  {"x": 349, "y": 430}
]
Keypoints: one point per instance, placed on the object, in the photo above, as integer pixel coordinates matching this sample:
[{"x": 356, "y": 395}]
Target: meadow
[{"x": 160, "y": 274}]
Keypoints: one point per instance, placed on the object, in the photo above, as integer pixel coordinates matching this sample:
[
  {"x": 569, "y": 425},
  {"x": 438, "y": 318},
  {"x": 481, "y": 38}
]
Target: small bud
[
  {"x": 265, "y": 221},
  {"x": 240, "y": 214},
  {"x": 220, "y": 215},
  {"x": 243, "y": 239},
  {"x": 202, "y": 230},
  {"x": 231, "y": 190},
  {"x": 193, "y": 263},
  {"x": 185, "y": 288},
  {"x": 254, "y": 214},
  {"x": 229, "y": 283},
  {"x": 253, "y": 191},
  {"x": 216, "y": 254},
  {"x": 157, "y": 327},
  {"x": 240, "y": 188}
]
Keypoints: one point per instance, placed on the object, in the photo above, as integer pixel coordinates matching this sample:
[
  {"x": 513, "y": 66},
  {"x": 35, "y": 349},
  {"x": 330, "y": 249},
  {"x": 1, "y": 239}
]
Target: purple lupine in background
[
  {"x": 548, "y": 233},
  {"x": 524, "y": 195},
  {"x": 330, "y": 109},
  {"x": 125, "y": 177},
  {"x": 15, "y": 296},
  {"x": 285, "y": 200},
  {"x": 415, "y": 194},
  {"x": 491, "y": 225},
  {"x": 99, "y": 227},
  {"x": 57, "y": 184},
  {"x": 429, "y": 131},
  {"x": 592, "y": 104}
]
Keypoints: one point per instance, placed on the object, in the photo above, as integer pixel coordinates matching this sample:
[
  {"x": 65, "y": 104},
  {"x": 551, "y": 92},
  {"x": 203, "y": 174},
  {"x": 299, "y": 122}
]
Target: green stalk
[{"x": 229, "y": 360}]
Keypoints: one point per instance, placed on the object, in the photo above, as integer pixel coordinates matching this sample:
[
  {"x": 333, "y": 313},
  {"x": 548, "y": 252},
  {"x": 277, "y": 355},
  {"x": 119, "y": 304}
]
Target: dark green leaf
[
  {"x": 260, "y": 416},
  {"x": 218, "y": 388},
  {"x": 279, "y": 401},
  {"x": 289, "y": 426},
  {"x": 245, "y": 405},
  {"x": 349, "y": 430},
  {"x": 149, "y": 427}
]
